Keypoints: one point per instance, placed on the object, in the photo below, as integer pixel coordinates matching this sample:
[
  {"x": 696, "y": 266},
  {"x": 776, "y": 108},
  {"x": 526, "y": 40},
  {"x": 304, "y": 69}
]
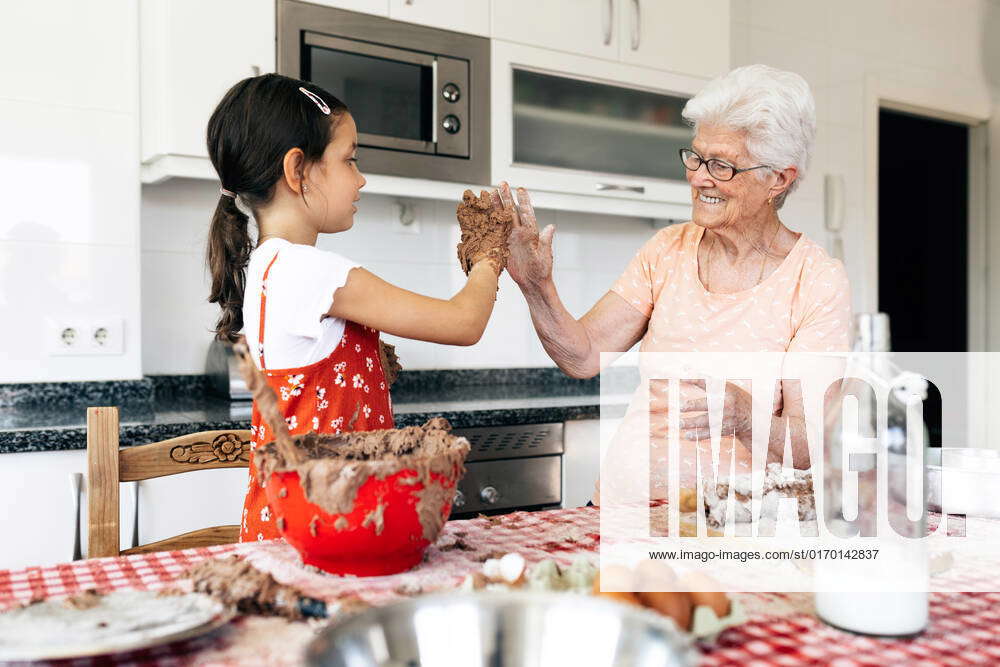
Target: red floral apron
[{"x": 322, "y": 397}]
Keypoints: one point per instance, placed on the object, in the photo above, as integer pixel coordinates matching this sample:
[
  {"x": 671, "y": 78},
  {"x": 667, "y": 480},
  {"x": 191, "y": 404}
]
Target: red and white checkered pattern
[{"x": 781, "y": 629}]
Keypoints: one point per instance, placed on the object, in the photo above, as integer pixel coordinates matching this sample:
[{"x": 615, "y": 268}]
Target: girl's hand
[
  {"x": 485, "y": 231},
  {"x": 737, "y": 414},
  {"x": 530, "y": 262}
]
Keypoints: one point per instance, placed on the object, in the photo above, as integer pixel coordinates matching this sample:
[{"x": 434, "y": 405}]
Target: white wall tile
[
  {"x": 176, "y": 215},
  {"x": 68, "y": 283},
  {"x": 378, "y": 236},
  {"x": 845, "y": 94},
  {"x": 864, "y": 25},
  {"x": 739, "y": 11},
  {"x": 987, "y": 20},
  {"x": 804, "y": 55},
  {"x": 602, "y": 243},
  {"x": 863, "y": 297},
  {"x": 792, "y": 18},
  {"x": 68, "y": 175},
  {"x": 804, "y": 214},
  {"x": 76, "y": 54},
  {"x": 178, "y": 322},
  {"x": 739, "y": 44},
  {"x": 847, "y": 156}
]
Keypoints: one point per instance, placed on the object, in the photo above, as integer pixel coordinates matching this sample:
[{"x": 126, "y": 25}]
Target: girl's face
[{"x": 335, "y": 181}]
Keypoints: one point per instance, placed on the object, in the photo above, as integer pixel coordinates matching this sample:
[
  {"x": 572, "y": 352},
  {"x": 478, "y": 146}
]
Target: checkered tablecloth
[{"x": 781, "y": 628}]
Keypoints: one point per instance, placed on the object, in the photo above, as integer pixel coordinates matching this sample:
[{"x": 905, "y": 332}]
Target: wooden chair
[{"x": 108, "y": 465}]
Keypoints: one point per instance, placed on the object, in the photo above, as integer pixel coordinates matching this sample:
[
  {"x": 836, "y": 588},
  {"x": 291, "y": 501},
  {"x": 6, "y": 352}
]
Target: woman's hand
[
  {"x": 530, "y": 262},
  {"x": 737, "y": 414}
]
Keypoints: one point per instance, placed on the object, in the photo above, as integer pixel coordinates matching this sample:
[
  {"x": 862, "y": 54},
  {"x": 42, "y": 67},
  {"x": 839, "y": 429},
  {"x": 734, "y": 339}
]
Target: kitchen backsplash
[{"x": 591, "y": 251}]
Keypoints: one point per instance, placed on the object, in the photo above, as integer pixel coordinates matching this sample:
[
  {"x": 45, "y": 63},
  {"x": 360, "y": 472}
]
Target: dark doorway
[{"x": 923, "y": 232}]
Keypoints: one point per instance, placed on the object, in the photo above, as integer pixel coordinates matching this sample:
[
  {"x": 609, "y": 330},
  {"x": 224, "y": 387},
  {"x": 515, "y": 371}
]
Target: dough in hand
[{"x": 484, "y": 231}]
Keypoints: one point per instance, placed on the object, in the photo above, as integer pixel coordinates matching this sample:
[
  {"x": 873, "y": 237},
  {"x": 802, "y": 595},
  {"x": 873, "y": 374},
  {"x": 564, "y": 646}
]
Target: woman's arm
[
  {"x": 460, "y": 320},
  {"x": 612, "y": 325},
  {"x": 576, "y": 345}
]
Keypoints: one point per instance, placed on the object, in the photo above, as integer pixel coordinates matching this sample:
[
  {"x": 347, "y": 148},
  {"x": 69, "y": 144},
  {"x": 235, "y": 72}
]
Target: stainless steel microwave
[{"x": 420, "y": 96}]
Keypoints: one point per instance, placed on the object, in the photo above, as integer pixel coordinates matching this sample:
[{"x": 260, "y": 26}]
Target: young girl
[{"x": 287, "y": 150}]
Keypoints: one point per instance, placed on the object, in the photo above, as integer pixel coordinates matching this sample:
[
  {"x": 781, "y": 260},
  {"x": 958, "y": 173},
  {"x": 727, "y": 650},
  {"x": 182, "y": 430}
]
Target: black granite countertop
[{"x": 52, "y": 416}]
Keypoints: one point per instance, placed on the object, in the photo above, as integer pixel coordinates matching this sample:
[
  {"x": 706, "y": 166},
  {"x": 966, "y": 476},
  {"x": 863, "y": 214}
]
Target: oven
[
  {"x": 420, "y": 96},
  {"x": 510, "y": 468}
]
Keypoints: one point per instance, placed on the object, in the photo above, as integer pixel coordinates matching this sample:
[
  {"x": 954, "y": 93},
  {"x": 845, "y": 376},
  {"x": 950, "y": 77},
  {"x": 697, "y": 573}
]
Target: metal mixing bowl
[{"x": 506, "y": 629}]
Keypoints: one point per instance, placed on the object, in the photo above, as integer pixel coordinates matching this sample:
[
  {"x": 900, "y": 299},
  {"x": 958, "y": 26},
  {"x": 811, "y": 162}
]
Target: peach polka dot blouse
[{"x": 803, "y": 306}]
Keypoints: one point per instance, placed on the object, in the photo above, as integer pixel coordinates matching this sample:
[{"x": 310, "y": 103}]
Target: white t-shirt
[{"x": 300, "y": 289}]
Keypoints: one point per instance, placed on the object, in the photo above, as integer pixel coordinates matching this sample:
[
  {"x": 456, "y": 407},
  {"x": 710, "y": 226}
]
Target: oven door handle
[
  {"x": 434, "y": 102},
  {"x": 613, "y": 187}
]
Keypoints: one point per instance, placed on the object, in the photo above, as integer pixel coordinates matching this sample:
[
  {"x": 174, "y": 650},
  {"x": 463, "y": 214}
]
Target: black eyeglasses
[{"x": 719, "y": 169}]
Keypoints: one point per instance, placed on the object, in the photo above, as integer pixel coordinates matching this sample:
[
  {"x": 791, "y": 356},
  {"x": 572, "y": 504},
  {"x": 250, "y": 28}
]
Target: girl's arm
[{"x": 460, "y": 320}]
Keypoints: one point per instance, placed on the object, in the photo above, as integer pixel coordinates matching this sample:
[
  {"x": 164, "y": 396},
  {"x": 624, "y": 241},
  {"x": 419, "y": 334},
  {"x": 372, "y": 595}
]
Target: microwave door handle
[{"x": 434, "y": 103}]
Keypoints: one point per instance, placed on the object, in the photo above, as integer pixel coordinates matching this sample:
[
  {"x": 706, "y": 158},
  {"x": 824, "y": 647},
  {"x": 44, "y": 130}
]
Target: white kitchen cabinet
[
  {"x": 670, "y": 35},
  {"x": 675, "y": 35},
  {"x": 379, "y": 7},
  {"x": 469, "y": 16},
  {"x": 587, "y": 27},
  {"x": 571, "y": 124},
  {"x": 192, "y": 52},
  {"x": 177, "y": 504},
  {"x": 39, "y": 504}
]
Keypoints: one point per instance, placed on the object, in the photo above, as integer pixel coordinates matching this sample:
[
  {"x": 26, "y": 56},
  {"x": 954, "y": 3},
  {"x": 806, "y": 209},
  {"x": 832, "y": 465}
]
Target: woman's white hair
[{"x": 775, "y": 108}]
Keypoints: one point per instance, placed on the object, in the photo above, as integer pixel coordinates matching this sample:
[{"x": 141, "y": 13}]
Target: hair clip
[
  {"x": 227, "y": 193},
  {"x": 317, "y": 99}
]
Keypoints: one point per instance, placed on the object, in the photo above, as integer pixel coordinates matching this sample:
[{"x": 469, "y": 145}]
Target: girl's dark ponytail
[
  {"x": 256, "y": 123},
  {"x": 229, "y": 248}
]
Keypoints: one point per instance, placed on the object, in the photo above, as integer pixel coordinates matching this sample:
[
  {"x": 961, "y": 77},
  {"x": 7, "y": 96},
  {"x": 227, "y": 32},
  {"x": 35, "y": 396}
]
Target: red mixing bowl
[{"x": 358, "y": 542}]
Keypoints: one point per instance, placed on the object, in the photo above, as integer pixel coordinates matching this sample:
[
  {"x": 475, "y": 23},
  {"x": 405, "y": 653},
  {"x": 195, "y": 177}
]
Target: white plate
[{"x": 118, "y": 621}]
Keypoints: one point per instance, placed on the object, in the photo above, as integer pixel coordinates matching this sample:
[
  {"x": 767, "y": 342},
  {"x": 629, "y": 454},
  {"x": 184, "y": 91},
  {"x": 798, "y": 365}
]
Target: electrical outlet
[
  {"x": 404, "y": 218},
  {"x": 63, "y": 337},
  {"x": 105, "y": 336}
]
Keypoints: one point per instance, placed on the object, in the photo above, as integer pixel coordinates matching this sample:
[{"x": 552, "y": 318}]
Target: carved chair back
[{"x": 108, "y": 465}]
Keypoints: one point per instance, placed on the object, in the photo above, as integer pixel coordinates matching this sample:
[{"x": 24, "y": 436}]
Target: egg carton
[{"x": 511, "y": 571}]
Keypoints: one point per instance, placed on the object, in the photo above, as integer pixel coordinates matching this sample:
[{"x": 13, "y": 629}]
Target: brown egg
[
  {"x": 717, "y": 600},
  {"x": 616, "y": 577},
  {"x": 700, "y": 586},
  {"x": 655, "y": 576},
  {"x": 622, "y": 578},
  {"x": 628, "y": 598},
  {"x": 675, "y": 604}
]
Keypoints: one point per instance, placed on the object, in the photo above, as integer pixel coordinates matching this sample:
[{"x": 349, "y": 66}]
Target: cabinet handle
[
  {"x": 255, "y": 69},
  {"x": 636, "y": 24},
  {"x": 76, "y": 488},
  {"x": 609, "y": 21},
  {"x": 611, "y": 187}
]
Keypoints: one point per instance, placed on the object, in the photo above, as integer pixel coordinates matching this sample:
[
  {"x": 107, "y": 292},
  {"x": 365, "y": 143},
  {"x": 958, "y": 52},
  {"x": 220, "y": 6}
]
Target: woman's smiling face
[{"x": 719, "y": 203}]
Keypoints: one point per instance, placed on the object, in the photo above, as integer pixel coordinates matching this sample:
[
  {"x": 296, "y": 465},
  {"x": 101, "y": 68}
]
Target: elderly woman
[{"x": 734, "y": 278}]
